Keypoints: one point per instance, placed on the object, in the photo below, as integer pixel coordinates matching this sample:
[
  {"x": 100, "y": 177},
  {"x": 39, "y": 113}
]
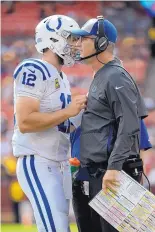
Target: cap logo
[{"x": 94, "y": 88}]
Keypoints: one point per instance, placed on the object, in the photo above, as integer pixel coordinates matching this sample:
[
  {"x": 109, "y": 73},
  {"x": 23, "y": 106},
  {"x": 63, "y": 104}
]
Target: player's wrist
[{"x": 68, "y": 112}]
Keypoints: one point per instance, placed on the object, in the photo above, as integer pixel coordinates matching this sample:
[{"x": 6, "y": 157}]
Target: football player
[{"x": 43, "y": 108}]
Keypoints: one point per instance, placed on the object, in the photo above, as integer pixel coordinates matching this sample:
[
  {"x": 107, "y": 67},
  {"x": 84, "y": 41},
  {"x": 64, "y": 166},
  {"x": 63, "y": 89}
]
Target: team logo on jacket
[
  {"x": 94, "y": 88},
  {"x": 57, "y": 85}
]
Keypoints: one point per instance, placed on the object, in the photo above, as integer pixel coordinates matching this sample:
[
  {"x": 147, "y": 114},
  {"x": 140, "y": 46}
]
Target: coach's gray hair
[{"x": 111, "y": 47}]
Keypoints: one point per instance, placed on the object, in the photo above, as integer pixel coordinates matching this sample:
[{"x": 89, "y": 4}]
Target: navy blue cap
[{"x": 91, "y": 28}]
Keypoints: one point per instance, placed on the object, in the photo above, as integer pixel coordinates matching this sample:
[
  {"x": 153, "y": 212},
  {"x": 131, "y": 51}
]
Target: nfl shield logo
[{"x": 57, "y": 85}]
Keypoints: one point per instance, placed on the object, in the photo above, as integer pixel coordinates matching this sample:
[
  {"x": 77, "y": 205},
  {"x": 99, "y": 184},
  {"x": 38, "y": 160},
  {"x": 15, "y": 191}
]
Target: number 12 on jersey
[
  {"x": 28, "y": 79},
  {"x": 65, "y": 126}
]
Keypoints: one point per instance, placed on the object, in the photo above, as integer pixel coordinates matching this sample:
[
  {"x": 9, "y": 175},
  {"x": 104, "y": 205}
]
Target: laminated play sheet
[{"x": 130, "y": 209}]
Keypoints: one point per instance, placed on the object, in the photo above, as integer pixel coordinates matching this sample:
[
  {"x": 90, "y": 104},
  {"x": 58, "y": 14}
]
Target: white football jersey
[{"x": 38, "y": 79}]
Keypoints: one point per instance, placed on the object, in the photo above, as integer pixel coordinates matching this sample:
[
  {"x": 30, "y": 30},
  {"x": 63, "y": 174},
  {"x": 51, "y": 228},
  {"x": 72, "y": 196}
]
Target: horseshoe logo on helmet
[{"x": 57, "y": 28}]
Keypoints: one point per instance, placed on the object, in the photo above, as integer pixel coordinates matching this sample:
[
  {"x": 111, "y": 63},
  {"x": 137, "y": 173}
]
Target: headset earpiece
[
  {"x": 101, "y": 44},
  {"x": 101, "y": 41}
]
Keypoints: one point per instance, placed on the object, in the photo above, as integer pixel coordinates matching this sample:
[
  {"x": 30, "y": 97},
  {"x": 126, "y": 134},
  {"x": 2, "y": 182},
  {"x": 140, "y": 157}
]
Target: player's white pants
[{"x": 47, "y": 184}]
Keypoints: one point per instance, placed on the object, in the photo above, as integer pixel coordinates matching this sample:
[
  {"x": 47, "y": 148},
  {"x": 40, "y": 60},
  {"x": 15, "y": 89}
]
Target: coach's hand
[
  {"x": 77, "y": 104},
  {"x": 110, "y": 180}
]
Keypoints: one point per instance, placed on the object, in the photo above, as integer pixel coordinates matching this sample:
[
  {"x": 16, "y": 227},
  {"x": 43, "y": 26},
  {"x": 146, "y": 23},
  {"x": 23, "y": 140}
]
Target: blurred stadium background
[{"x": 135, "y": 22}]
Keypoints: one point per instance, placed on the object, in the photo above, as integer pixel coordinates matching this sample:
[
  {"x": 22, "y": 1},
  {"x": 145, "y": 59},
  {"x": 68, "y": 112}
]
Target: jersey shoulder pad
[{"x": 33, "y": 66}]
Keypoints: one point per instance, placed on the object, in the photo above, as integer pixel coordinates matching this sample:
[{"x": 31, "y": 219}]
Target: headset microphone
[{"x": 78, "y": 58}]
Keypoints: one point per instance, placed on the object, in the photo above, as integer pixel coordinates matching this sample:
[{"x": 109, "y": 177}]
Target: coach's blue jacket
[{"x": 75, "y": 147}]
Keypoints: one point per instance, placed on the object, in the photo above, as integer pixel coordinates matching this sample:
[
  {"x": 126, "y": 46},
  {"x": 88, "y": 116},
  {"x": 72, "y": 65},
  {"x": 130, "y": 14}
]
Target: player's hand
[
  {"x": 77, "y": 104},
  {"x": 110, "y": 180}
]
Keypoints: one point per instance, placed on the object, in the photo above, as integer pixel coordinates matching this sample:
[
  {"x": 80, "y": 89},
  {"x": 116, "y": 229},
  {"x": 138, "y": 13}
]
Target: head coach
[{"x": 110, "y": 126}]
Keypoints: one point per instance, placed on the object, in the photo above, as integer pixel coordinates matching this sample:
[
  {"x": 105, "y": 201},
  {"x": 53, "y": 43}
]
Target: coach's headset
[{"x": 101, "y": 41}]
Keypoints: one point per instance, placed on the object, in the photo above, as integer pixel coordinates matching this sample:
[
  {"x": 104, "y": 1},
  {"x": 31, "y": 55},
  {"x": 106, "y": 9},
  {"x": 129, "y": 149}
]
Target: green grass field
[{"x": 21, "y": 228}]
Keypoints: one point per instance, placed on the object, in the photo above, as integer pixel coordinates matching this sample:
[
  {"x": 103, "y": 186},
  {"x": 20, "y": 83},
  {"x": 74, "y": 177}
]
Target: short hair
[
  {"x": 45, "y": 50},
  {"x": 111, "y": 47}
]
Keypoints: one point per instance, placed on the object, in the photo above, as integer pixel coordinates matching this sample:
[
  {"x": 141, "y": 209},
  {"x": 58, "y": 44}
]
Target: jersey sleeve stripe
[
  {"x": 39, "y": 62},
  {"x": 17, "y": 70},
  {"x": 27, "y": 65}
]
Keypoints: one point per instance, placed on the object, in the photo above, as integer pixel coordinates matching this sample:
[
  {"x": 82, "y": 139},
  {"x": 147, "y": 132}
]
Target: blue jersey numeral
[
  {"x": 63, "y": 100},
  {"x": 68, "y": 99},
  {"x": 29, "y": 79},
  {"x": 65, "y": 126}
]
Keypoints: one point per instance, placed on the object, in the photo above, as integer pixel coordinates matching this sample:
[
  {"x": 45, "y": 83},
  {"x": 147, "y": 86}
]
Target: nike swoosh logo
[
  {"x": 119, "y": 87},
  {"x": 32, "y": 71}
]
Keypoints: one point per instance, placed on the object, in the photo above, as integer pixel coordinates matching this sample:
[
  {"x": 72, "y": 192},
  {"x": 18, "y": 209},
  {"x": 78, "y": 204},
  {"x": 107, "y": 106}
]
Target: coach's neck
[{"x": 97, "y": 62}]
